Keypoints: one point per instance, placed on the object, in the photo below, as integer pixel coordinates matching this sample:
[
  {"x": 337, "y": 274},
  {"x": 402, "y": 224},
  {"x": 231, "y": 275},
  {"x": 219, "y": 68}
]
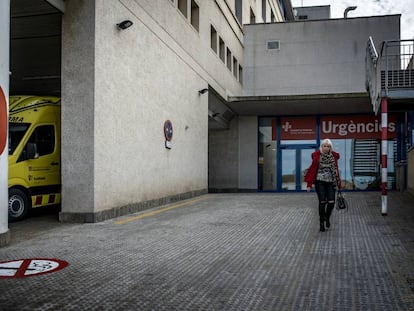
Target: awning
[{"x": 318, "y": 104}]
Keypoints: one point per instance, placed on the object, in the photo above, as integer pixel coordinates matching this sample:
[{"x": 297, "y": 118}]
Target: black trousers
[{"x": 326, "y": 196}]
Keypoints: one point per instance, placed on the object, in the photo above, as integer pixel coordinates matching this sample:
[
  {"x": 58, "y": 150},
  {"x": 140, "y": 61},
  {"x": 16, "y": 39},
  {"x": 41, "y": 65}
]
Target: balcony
[{"x": 390, "y": 74}]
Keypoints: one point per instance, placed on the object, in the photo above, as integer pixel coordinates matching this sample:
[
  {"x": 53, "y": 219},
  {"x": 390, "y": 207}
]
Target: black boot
[
  {"x": 329, "y": 209},
  {"x": 322, "y": 216}
]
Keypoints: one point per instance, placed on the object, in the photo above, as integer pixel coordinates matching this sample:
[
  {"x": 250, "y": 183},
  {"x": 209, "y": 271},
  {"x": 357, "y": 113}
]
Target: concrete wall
[
  {"x": 144, "y": 81},
  {"x": 315, "y": 57},
  {"x": 233, "y": 152},
  {"x": 233, "y": 156},
  {"x": 120, "y": 86},
  {"x": 223, "y": 158}
]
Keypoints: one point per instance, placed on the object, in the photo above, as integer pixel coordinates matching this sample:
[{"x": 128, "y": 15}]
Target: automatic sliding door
[
  {"x": 288, "y": 169},
  {"x": 294, "y": 162}
]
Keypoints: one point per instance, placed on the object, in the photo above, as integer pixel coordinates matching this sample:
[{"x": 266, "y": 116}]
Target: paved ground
[{"x": 222, "y": 252}]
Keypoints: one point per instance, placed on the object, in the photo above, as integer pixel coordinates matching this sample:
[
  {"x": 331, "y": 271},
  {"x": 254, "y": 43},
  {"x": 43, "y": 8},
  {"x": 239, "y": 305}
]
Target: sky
[{"x": 370, "y": 8}]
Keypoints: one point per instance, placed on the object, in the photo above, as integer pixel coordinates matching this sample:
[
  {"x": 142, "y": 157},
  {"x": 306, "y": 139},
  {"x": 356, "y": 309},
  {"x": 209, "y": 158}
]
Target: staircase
[{"x": 365, "y": 157}]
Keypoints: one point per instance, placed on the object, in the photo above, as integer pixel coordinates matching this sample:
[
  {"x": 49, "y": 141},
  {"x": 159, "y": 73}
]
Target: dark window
[
  {"x": 195, "y": 15},
  {"x": 272, "y": 16},
  {"x": 235, "y": 69},
  {"x": 241, "y": 74},
  {"x": 44, "y": 137},
  {"x": 264, "y": 10},
  {"x": 213, "y": 39},
  {"x": 221, "y": 49},
  {"x": 229, "y": 59},
  {"x": 252, "y": 17},
  {"x": 16, "y": 133},
  {"x": 239, "y": 11},
  {"x": 182, "y": 6}
]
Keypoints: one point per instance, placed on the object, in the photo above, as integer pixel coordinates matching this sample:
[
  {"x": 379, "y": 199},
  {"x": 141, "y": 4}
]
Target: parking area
[{"x": 259, "y": 251}]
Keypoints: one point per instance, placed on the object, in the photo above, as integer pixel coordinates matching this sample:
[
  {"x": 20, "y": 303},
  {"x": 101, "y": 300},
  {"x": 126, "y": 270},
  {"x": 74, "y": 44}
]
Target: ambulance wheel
[{"x": 19, "y": 204}]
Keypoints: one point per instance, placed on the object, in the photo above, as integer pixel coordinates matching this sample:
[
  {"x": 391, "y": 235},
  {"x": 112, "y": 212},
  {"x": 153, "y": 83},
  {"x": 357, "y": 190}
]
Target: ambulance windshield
[{"x": 16, "y": 133}]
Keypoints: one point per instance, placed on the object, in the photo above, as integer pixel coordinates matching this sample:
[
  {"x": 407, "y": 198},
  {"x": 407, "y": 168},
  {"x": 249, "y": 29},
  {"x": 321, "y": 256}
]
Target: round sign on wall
[{"x": 168, "y": 130}]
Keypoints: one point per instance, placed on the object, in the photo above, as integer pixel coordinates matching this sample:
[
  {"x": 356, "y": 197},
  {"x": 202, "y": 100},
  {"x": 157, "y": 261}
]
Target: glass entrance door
[{"x": 295, "y": 159}]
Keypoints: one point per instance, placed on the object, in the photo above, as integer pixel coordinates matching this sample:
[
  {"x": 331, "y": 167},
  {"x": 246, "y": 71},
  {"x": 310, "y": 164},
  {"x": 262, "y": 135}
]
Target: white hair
[{"x": 326, "y": 141}]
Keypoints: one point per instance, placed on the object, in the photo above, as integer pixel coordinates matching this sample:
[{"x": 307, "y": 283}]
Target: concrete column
[
  {"x": 248, "y": 154},
  {"x": 78, "y": 107},
  {"x": 4, "y": 99}
]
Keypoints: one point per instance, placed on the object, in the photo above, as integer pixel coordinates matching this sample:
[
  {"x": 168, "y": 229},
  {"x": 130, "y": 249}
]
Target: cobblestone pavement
[{"x": 222, "y": 252}]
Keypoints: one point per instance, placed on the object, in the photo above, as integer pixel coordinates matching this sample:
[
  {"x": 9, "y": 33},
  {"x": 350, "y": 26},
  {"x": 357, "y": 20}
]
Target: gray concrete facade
[
  {"x": 315, "y": 57},
  {"x": 118, "y": 89}
]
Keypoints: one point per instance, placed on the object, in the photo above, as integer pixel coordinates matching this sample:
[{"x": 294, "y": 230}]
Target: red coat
[{"x": 310, "y": 176}]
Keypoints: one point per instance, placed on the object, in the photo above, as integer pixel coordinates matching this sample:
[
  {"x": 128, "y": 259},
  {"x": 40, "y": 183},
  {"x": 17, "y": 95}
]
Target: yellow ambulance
[{"x": 34, "y": 154}]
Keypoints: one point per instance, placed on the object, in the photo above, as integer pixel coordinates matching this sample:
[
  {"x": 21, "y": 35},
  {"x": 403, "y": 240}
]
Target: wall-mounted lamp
[
  {"x": 213, "y": 114},
  {"x": 200, "y": 92},
  {"x": 125, "y": 24},
  {"x": 350, "y": 8}
]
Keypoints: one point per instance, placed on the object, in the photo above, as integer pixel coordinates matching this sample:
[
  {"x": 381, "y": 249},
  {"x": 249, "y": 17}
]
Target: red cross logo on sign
[{"x": 30, "y": 267}]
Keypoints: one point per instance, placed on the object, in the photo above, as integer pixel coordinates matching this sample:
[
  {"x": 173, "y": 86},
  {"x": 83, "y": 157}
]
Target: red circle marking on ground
[
  {"x": 3, "y": 121},
  {"x": 22, "y": 268}
]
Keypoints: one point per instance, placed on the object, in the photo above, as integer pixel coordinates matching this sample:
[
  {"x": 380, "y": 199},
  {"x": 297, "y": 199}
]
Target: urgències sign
[
  {"x": 356, "y": 127},
  {"x": 335, "y": 127}
]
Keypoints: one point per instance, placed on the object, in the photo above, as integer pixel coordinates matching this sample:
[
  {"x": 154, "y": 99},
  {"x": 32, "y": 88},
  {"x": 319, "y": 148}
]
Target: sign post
[{"x": 4, "y": 95}]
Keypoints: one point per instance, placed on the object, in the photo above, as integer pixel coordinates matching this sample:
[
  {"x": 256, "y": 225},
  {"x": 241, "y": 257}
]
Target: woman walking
[{"x": 324, "y": 174}]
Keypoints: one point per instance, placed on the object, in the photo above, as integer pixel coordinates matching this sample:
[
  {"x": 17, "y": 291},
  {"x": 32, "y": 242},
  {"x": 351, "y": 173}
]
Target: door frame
[{"x": 298, "y": 170}]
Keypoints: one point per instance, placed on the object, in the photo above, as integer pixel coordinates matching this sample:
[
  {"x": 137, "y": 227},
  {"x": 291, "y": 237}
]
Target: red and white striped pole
[{"x": 384, "y": 151}]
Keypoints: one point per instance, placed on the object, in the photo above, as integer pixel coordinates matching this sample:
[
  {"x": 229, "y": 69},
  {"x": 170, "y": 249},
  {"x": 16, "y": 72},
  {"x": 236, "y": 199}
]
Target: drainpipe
[
  {"x": 350, "y": 8},
  {"x": 384, "y": 152}
]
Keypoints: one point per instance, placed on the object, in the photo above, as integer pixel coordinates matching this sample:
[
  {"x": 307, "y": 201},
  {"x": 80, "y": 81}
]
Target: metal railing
[
  {"x": 392, "y": 68},
  {"x": 371, "y": 76}
]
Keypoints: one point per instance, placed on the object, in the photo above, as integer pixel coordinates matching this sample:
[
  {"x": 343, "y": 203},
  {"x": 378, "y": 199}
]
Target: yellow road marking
[{"x": 148, "y": 214}]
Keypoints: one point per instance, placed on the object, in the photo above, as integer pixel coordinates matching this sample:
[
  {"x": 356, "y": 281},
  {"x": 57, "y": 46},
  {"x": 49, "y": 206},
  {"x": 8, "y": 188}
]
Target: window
[
  {"x": 241, "y": 74},
  {"x": 239, "y": 11},
  {"x": 303, "y": 17},
  {"x": 221, "y": 49},
  {"x": 229, "y": 59},
  {"x": 195, "y": 15},
  {"x": 264, "y": 10},
  {"x": 272, "y": 16},
  {"x": 273, "y": 45},
  {"x": 213, "y": 39},
  {"x": 16, "y": 133},
  {"x": 252, "y": 17},
  {"x": 234, "y": 67},
  {"x": 182, "y": 6},
  {"x": 44, "y": 138}
]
